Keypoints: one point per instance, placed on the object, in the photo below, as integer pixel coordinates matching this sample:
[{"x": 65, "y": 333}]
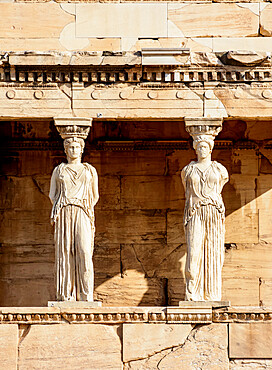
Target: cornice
[
  {"x": 130, "y": 67},
  {"x": 119, "y": 86}
]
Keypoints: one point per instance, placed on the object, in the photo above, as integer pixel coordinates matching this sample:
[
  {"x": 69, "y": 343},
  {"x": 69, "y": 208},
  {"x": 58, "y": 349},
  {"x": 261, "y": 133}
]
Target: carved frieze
[
  {"x": 128, "y": 145},
  {"x": 133, "y": 315}
]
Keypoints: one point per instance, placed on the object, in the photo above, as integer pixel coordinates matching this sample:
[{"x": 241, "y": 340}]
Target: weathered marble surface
[
  {"x": 77, "y": 346},
  {"x": 73, "y": 304},
  {"x": 156, "y": 338},
  {"x": 250, "y": 340},
  {"x": 205, "y": 347},
  {"x": 204, "y": 217},
  {"x": 9, "y": 346},
  {"x": 74, "y": 193},
  {"x": 74, "y": 26}
]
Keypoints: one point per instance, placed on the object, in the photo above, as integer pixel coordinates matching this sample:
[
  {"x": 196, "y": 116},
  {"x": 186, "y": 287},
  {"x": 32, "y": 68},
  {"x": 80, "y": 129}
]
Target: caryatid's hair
[
  {"x": 209, "y": 139},
  {"x": 70, "y": 140}
]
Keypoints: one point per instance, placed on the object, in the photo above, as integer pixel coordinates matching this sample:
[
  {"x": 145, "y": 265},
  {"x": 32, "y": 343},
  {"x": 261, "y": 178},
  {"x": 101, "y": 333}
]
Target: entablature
[{"x": 120, "y": 86}]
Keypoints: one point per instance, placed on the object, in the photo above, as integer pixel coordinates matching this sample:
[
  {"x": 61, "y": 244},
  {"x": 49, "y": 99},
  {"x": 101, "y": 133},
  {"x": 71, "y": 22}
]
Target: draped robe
[
  {"x": 73, "y": 215},
  {"x": 204, "y": 218}
]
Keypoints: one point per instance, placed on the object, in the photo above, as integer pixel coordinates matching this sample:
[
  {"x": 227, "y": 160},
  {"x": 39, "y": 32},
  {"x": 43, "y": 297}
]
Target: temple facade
[{"x": 141, "y": 73}]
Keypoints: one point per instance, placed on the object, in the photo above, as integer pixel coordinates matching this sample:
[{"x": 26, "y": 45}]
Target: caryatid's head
[
  {"x": 203, "y": 145},
  {"x": 73, "y": 147}
]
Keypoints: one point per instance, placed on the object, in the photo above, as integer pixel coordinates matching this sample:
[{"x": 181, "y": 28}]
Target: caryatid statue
[
  {"x": 204, "y": 217},
  {"x": 74, "y": 193}
]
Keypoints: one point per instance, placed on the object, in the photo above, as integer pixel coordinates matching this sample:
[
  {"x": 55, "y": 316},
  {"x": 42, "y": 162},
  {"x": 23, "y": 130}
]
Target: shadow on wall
[{"x": 140, "y": 248}]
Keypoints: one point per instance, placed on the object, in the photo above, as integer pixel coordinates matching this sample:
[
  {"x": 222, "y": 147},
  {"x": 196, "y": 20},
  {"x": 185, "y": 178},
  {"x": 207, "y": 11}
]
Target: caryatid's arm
[
  {"x": 224, "y": 176},
  {"x": 54, "y": 188},
  {"x": 95, "y": 187},
  {"x": 182, "y": 175}
]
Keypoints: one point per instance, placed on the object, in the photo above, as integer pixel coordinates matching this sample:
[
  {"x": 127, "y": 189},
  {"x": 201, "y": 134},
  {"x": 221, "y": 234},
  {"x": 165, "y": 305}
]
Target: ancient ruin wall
[{"x": 140, "y": 249}]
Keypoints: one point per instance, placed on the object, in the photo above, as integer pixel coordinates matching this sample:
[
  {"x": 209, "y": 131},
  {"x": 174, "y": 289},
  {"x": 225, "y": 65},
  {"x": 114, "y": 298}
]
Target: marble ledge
[
  {"x": 78, "y": 305},
  {"x": 114, "y": 315}
]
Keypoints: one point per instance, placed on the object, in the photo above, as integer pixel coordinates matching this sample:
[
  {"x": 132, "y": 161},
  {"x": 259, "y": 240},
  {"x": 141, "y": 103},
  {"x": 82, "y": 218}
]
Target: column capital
[
  {"x": 73, "y": 126},
  {"x": 203, "y": 121},
  {"x": 203, "y": 126}
]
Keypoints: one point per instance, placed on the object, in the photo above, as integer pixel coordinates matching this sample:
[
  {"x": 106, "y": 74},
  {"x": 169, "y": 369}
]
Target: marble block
[
  {"x": 213, "y": 304},
  {"x": 250, "y": 340},
  {"x": 74, "y": 304},
  {"x": 8, "y": 345},
  {"x": 156, "y": 338}
]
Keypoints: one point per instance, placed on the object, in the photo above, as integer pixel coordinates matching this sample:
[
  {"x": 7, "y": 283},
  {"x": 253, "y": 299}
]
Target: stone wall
[
  {"x": 128, "y": 339},
  {"x": 140, "y": 249},
  {"x": 201, "y": 26}
]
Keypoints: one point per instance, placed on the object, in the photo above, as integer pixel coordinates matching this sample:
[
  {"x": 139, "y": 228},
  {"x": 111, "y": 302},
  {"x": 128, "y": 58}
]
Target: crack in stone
[
  {"x": 121, "y": 262},
  {"x": 25, "y": 330},
  {"x": 156, "y": 353},
  {"x": 168, "y": 349},
  {"x": 165, "y": 258},
  {"x": 66, "y": 320},
  {"x": 66, "y": 89},
  {"x": 173, "y": 349},
  {"x": 36, "y": 183},
  {"x": 137, "y": 258},
  {"x": 188, "y": 339}
]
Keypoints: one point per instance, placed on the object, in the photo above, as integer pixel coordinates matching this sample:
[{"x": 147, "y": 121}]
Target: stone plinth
[
  {"x": 213, "y": 304},
  {"x": 74, "y": 304}
]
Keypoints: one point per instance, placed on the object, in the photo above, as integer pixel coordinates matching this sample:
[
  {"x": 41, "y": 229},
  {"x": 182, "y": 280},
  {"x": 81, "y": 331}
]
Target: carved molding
[
  {"x": 108, "y": 315},
  {"x": 198, "y": 127},
  {"x": 137, "y": 101},
  {"x": 103, "y": 67},
  {"x": 166, "y": 75},
  {"x": 73, "y": 127},
  {"x": 142, "y": 145},
  {"x": 127, "y": 145},
  {"x": 243, "y": 316}
]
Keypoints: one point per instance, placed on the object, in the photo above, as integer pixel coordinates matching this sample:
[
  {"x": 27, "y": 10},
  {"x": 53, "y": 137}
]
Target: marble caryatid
[
  {"x": 74, "y": 193},
  {"x": 204, "y": 218}
]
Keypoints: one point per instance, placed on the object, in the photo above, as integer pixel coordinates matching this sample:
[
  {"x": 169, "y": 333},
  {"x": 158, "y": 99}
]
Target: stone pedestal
[
  {"x": 173, "y": 337},
  {"x": 203, "y": 304},
  {"x": 74, "y": 304}
]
